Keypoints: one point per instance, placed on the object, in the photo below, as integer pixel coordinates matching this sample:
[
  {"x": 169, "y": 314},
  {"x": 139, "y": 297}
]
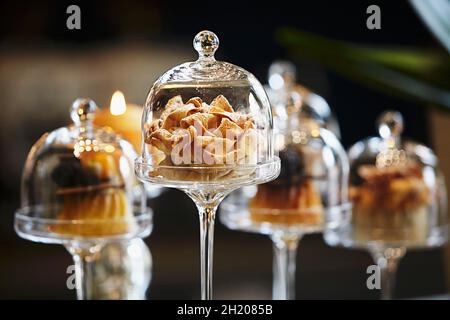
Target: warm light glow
[
  {"x": 315, "y": 132},
  {"x": 118, "y": 105},
  {"x": 109, "y": 148}
]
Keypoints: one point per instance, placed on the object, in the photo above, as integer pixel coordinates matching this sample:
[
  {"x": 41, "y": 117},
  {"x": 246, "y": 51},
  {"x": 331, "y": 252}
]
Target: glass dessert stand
[
  {"x": 284, "y": 227},
  {"x": 399, "y": 200},
  {"x": 208, "y": 130},
  {"x": 79, "y": 190},
  {"x": 207, "y": 194},
  {"x": 85, "y": 250},
  {"x": 311, "y": 186}
]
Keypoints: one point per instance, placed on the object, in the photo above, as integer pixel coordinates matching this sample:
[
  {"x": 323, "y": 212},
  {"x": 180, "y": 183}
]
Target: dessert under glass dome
[
  {"x": 311, "y": 187},
  {"x": 399, "y": 199},
  {"x": 79, "y": 190},
  {"x": 207, "y": 130}
]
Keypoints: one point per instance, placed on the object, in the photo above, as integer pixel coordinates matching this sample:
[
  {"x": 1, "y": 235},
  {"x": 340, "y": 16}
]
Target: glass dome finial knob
[
  {"x": 281, "y": 74},
  {"x": 83, "y": 109},
  {"x": 206, "y": 44},
  {"x": 390, "y": 124}
]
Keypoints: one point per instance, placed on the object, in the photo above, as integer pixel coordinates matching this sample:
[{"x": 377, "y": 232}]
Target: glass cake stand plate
[
  {"x": 344, "y": 236},
  {"x": 226, "y": 177},
  {"x": 29, "y": 225},
  {"x": 238, "y": 217}
]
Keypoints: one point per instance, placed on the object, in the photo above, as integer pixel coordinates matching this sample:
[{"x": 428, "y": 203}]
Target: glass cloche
[
  {"x": 397, "y": 190},
  {"x": 207, "y": 121},
  {"x": 79, "y": 190},
  {"x": 207, "y": 130},
  {"x": 287, "y": 97},
  {"x": 311, "y": 187},
  {"x": 399, "y": 199},
  {"x": 312, "y": 182},
  {"x": 78, "y": 183}
]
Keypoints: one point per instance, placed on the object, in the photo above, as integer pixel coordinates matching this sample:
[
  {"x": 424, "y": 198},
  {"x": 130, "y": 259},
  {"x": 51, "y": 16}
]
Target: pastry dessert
[
  {"x": 287, "y": 205},
  {"x": 390, "y": 204},
  {"x": 290, "y": 199},
  {"x": 206, "y": 140},
  {"x": 93, "y": 195}
]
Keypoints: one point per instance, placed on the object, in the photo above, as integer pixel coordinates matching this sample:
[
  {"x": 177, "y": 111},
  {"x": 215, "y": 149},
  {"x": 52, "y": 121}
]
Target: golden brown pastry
[
  {"x": 294, "y": 204},
  {"x": 197, "y": 135},
  {"x": 95, "y": 205},
  {"x": 293, "y": 197},
  {"x": 391, "y": 203},
  {"x": 101, "y": 213}
]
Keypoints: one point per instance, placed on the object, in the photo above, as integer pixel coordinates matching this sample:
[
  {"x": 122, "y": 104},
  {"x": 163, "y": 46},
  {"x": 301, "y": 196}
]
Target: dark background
[{"x": 242, "y": 261}]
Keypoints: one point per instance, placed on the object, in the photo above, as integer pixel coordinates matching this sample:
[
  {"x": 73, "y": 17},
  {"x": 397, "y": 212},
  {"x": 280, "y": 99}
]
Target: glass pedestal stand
[
  {"x": 207, "y": 203},
  {"x": 284, "y": 265},
  {"x": 207, "y": 195},
  {"x": 387, "y": 260},
  {"x": 84, "y": 249},
  {"x": 84, "y": 255}
]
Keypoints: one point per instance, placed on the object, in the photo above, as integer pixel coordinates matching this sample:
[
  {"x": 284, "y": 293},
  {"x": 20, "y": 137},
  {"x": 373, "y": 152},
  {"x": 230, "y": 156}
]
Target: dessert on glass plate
[
  {"x": 92, "y": 191},
  {"x": 312, "y": 183},
  {"x": 196, "y": 134},
  {"x": 207, "y": 128},
  {"x": 79, "y": 190},
  {"x": 391, "y": 203},
  {"x": 399, "y": 199},
  {"x": 291, "y": 199}
]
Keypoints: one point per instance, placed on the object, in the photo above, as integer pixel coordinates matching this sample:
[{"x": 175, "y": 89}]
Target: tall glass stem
[
  {"x": 388, "y": 260},
  {"x": 207, "y": 218},
  {"x": 84, "y": 256},
  {"x": 284, "y": 266},
  {"x": 207, "y": 203}
]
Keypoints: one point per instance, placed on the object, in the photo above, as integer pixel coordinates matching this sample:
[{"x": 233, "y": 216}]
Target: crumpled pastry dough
[
  {"x": 97, "y": 214},
  {"x": 195, "y": 134},
  {"x": 96, "y": 209},
  {"x": 396, "y": 188},
  {"x": 291, "y": 205}
]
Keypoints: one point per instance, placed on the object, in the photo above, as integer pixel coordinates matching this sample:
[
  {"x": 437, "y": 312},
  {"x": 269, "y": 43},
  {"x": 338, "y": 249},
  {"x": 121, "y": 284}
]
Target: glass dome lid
[
  {"x": 206, "y": 68},
  {"x": 207, "y": 122},
  {"x": 287, "y": 97},
  {"x": 78, "y": 183},
  {"x": 397, "y": 189}
]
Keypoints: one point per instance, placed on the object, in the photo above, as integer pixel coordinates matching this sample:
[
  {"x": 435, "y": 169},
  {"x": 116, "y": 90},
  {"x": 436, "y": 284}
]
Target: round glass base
[
  {"x": 269, "y": 222},
  {"x": 348, "y": 236},
  {"x": 30, "y": 224},
  {"x": 218, "y": 177}
]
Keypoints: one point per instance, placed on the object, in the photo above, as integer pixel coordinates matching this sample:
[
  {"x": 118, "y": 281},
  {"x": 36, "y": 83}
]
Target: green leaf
[{"x": 413, "y": 73}]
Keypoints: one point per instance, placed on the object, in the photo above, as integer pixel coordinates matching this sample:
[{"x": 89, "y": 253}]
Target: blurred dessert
[
  {"x": 390, "y": 203},
  {"x": 287, "y": 205},
  {"x": 208, "y": 140},
  {"x": 93, "y": 194},
  {"x": 122, "y": 117},
  {"x": 292, "y": 198}
]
